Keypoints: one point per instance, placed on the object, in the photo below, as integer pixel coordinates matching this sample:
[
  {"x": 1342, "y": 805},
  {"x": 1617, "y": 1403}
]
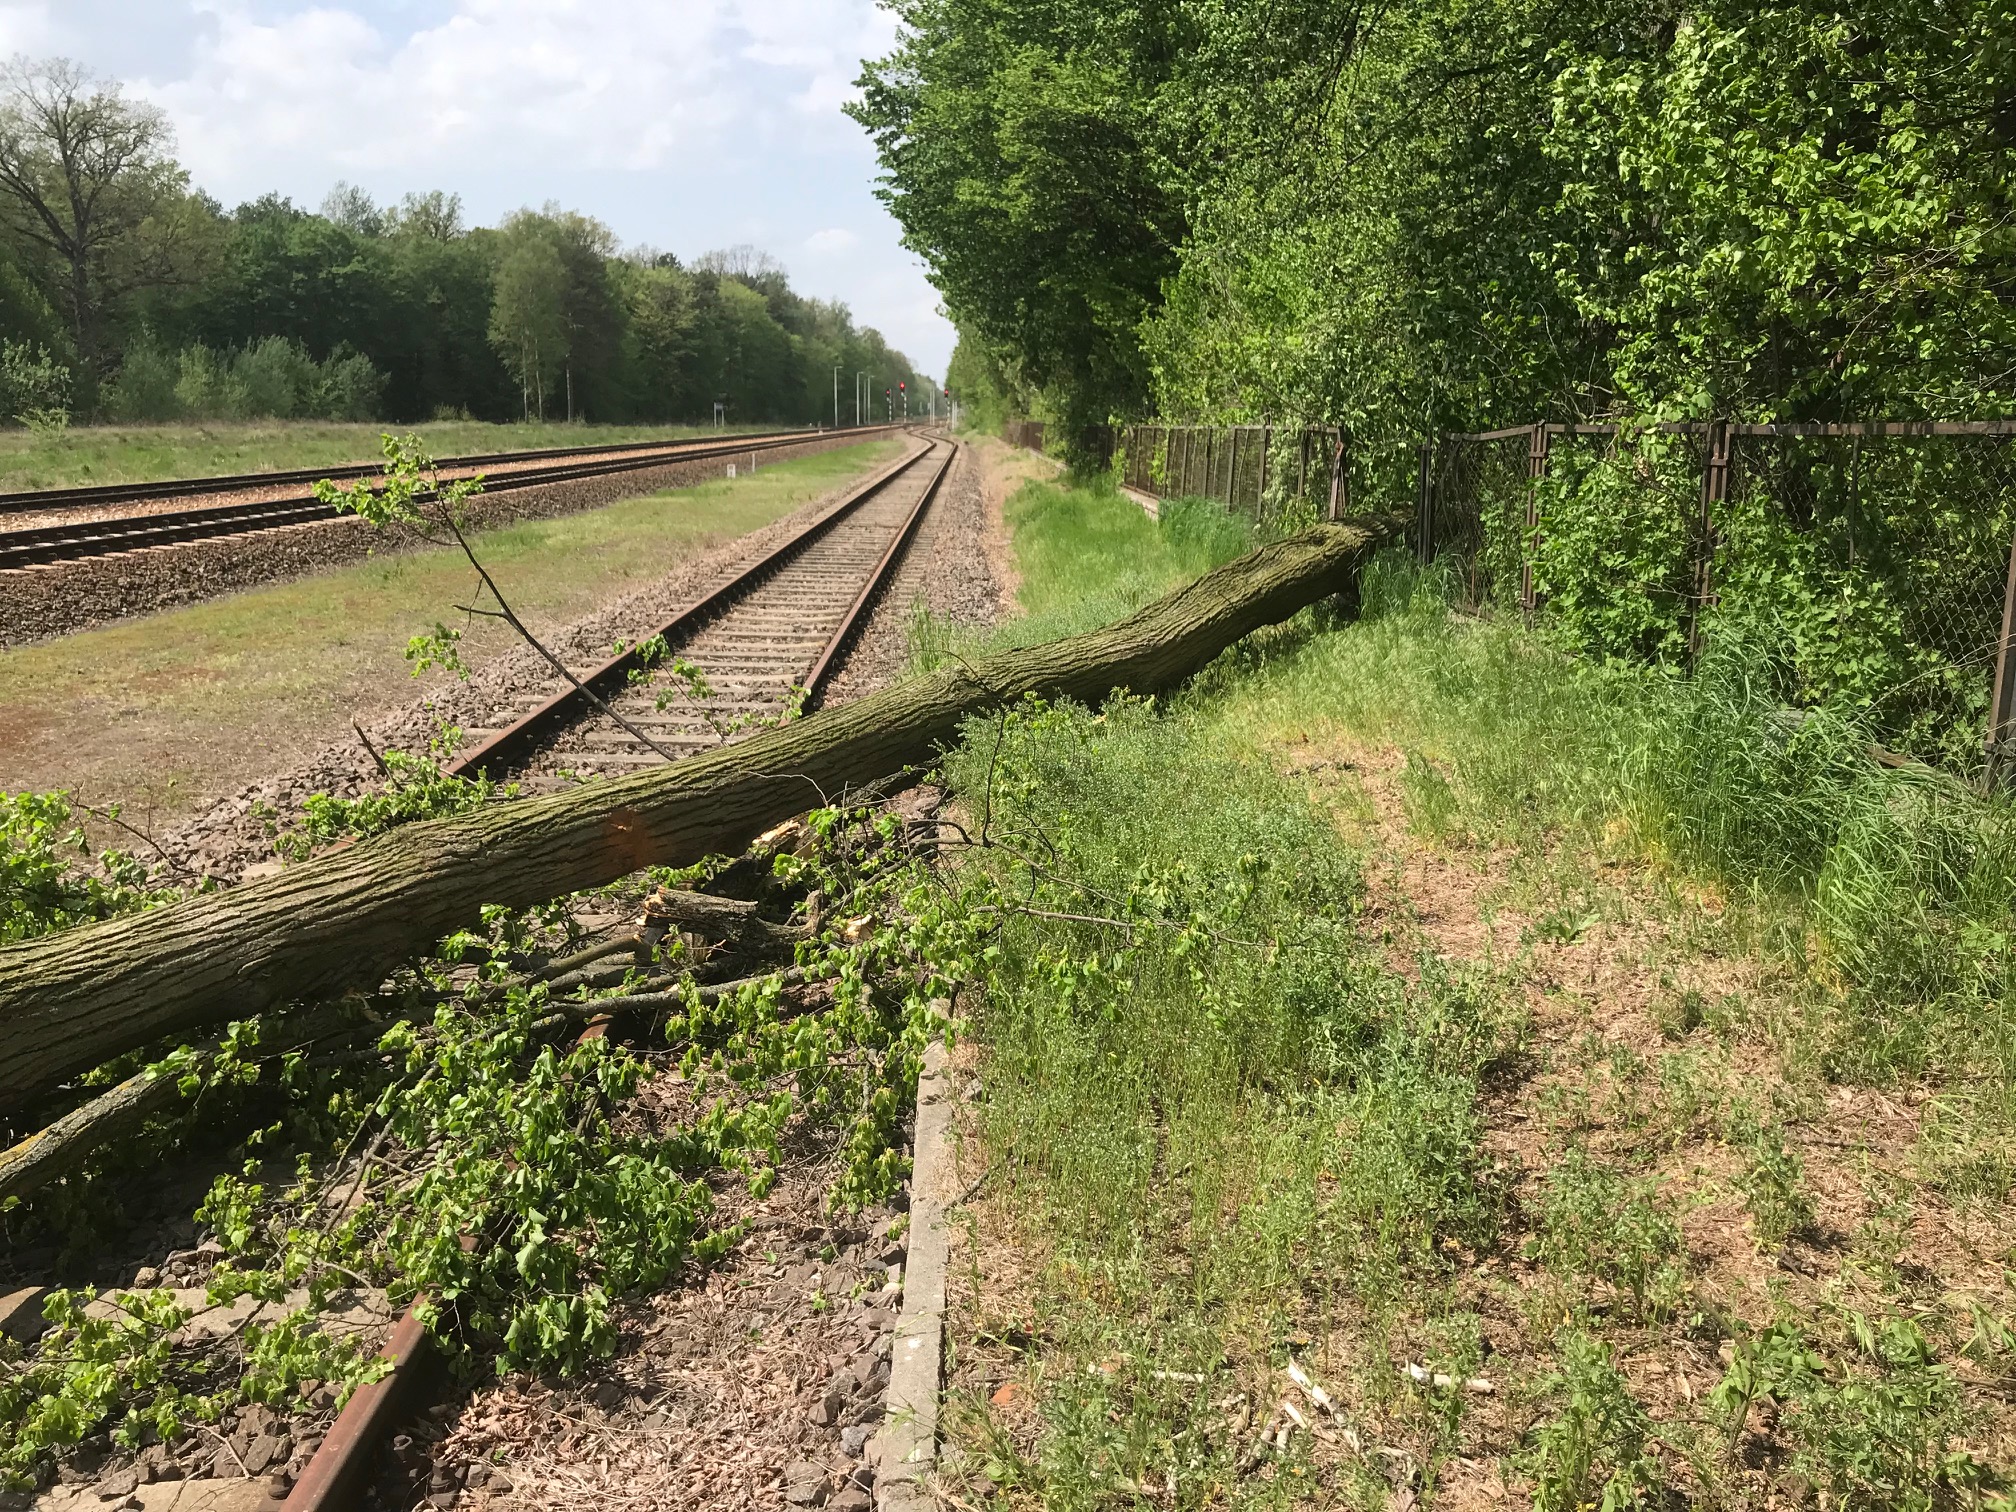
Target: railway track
[
  {"x": 764, "y": 641},
  {"x": 42, "y": 545}
]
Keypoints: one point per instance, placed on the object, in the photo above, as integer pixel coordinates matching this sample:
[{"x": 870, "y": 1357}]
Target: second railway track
[
  {"x": 769, "y": 637},
  {"x": 44, "y": 545}
]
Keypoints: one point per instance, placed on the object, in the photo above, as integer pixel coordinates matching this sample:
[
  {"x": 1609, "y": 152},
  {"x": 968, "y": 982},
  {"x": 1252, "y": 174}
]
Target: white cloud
[
  {"x": 832, "y": 239},
  {"x": 595, "y": 84},
  {"x": 685, "y": 124}
]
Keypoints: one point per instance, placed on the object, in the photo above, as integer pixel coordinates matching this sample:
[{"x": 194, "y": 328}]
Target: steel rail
[
  {"x": 90, "y": 495},
  {"x": 336, "y": 1476},
  {"x": 48, "y": 544},
  {"x": 574, "y": 702}
]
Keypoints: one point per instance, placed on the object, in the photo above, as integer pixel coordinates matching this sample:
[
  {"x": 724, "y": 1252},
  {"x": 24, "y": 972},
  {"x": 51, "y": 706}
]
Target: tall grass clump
[
  {"x": 1892, "y": 887},
  {"x": 1209, "y": 1098}
]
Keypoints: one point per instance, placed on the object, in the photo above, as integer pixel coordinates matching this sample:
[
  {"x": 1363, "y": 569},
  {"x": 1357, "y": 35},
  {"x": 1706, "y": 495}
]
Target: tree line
[
  {"x": 1455, "y": 214},
  {"x": 126, "y": 293}
]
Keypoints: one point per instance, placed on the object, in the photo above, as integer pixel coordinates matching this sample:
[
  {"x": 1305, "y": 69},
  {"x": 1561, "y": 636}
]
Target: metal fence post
[
  {"x": 2002, "y": 705},
  {"x": 1536, "y": 469},
  {"x": 1714, "y": 493},
  {"x": 1340, "y": 476},
  {"x": 1424, "y": 507}
]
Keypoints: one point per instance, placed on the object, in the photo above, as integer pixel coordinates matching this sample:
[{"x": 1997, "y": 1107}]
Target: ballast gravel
[
  {"x": 947, "y": 571},
  {"x": 60, "y": 598}
]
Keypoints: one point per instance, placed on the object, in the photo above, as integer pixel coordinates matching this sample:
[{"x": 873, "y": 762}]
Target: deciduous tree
[{"x": 86, "y": 177}]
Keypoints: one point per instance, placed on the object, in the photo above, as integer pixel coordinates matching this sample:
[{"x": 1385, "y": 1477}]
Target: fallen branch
[
  {"x": 76, "y": 999},
  {"x": 71, "y": 1140}
]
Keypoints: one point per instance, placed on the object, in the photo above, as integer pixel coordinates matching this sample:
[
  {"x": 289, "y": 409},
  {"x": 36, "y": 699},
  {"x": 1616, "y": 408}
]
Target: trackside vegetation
[
  {"x": 1460, "y": 214},
  {"x": 1557, "y": 1083},
  {"x": 1409, "y": 1065}
]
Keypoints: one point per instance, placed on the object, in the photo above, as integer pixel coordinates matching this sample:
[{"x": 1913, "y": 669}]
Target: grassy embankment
[
  {"x": 1467, "y": 1014},
  {"x": 165, "y": 712},
  {"x": 144, "y": 453}
]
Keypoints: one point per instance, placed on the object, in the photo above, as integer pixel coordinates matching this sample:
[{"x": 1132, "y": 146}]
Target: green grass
[
  {"x": 1230, "y": 1121},
  {"x": 1891, "y": 890},
  {"x": 170, "y": 710},
  {"x": 93, "y": 454},
  {"x": 1087, "y": 557},
  {"x": 1227, "y": 1119}
]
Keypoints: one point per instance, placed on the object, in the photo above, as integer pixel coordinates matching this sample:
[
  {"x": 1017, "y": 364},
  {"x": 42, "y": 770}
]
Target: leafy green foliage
[
  {"x": 123, "y": 1363},
  {"x": 1872, "y": 1427},
  {"x": 1593, "y": 1454},
  {"x": 34, "y": 386},
  {"x": 586, "y": 1170},
  {"x": 47, "y": 880},
  {"x": 415, "y": 787},
  {"x": 1020, "y": 165},
  {"x": 1468, "y": 214},
  {"x": 408, "y": 481}
]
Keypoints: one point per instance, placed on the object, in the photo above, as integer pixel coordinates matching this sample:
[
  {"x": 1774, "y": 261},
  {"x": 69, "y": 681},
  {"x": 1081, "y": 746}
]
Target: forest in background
[
  {"x": 1459, "y": 214},
  {"x": 126, "y": 293}
]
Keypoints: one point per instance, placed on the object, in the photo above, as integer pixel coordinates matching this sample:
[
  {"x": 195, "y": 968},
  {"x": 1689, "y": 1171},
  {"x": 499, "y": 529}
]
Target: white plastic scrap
[
  {"x": 1423, "y": 1376},
  {"x": 1314, "y": 1392}
]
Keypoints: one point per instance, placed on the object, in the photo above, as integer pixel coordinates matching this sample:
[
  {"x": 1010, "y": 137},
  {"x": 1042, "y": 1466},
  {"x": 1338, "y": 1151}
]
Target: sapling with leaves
[{"x": 411, "y": 493}]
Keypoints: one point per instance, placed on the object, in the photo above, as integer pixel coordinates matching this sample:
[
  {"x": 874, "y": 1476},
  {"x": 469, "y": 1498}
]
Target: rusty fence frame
[
  {"x": 1451, "y": 461},
  {"x": 1238, "y": 466}
]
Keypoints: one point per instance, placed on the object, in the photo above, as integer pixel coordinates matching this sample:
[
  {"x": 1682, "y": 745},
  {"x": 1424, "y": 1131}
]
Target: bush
[
  {"x": 34, "y": 386},
  {"x": 145, "y": 387},
  {"x": 272, "y": 379}
]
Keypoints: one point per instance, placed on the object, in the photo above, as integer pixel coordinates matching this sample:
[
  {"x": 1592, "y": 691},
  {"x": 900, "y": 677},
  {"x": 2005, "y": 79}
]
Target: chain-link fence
[{"x": 1869, "y": 563}]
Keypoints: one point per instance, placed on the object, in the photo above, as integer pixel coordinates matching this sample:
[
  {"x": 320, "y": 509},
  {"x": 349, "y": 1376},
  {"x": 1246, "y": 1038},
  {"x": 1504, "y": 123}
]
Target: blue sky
[{"x": 683, "y": 124}]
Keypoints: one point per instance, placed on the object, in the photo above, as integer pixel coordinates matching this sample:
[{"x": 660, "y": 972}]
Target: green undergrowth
[
  {"x": 1229, "y": 1126},
  {"x": 1888, "y": 891},
  {"x": 1234, "y": 1124}
]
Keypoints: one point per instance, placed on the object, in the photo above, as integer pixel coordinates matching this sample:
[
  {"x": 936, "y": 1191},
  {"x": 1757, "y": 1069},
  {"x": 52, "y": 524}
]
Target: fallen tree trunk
[{"x": 74, "y": 1000}]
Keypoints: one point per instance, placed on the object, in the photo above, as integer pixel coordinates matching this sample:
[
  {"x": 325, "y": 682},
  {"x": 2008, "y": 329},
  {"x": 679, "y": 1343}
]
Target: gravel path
[{"x": 947, "y": 572}]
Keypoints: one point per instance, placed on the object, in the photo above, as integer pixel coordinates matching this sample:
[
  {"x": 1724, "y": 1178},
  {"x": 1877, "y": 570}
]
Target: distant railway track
[
  {"x": 43, "y": 545},
  {"x": 768, "y": 637}
]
